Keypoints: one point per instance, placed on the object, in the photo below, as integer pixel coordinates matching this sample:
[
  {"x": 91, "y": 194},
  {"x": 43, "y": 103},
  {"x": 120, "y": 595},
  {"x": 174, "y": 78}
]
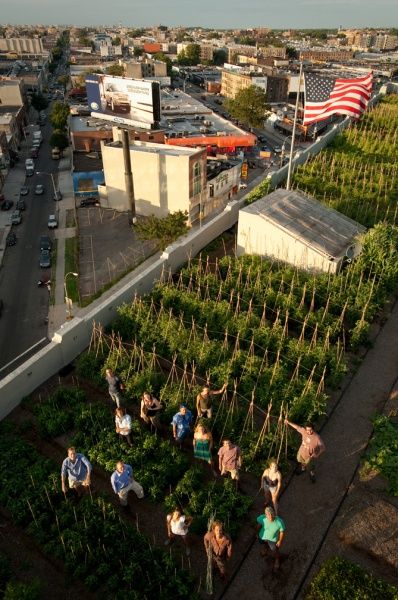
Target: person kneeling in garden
[
  {"x": 78, "y": 470},
  {"x": 177, "y": 528},
  {"x": 311, "y": 448},
  {"x": 182, "y": 424},
  {"x": 218, "y": 547},
  {"x": 271, "y": 532},
  {"x": 122, "y": 482},
  {"x": 123, "y": 424}
]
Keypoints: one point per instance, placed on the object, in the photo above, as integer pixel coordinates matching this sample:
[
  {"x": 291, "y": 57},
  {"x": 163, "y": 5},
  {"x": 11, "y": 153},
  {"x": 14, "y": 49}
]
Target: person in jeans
[
  {"x": 311, "y": 448},
  {"x": 177, "y": 528},
  {"x": 150, "y": 408},
  {"x": 122, "y": 482},
  {"x": 182, "y": 424},
  {"x": 115, "y": 386},
  {"x": 123, "y": 425},
  {"x": 203, "y": 401},
  {"x": 229, "y": 459},
  {"x": 77, "y": 468},
  {"x": 219, "y": 545},
  {"x": 271, "y": 532}
]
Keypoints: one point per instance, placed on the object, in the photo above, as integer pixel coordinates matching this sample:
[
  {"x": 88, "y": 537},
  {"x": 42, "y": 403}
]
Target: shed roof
[{"x": 304, "y": 218}]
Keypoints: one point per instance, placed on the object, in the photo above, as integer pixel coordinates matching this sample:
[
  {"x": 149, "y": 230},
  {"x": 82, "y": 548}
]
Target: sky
[{"x": 308, "y": 14}]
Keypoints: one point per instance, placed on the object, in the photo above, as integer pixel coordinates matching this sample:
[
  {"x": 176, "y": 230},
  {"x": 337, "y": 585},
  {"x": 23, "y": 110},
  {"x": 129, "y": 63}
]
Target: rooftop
[
  {"x": 161, "y": 149},
  {"x": 307, "y": 220}
]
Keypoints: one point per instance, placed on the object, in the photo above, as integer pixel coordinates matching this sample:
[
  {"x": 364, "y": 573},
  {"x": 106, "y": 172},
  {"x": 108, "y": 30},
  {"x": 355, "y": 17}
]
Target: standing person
[
  {"x": 219, "y": 544},
  {"x": 229, "y": 459},
  {"x": 271, "y": 531},
  {"x": 182, "y": 424},
  {"x": 204, "y": 403},
  {"x": 122, "y": 482},
  {"x": 150, "y": 408},
  {"x": 271, "y": 482},
  {"x": 78, "y": 470},
  {"x": 123, "y": 424},
  {"x": 115, "y": 386},
  {"x": 177, "y": 528},
  {"x": 203, "y": 444},
  {"x": 311, "y": 448}
]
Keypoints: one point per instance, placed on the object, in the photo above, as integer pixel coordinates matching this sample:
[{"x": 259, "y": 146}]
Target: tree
[
  {"x": 190, "y": 56},
  {"x": 59, "y": 115},
  {"x": 138, "y": 51},
  {"x": 117, "y": 41},
  {"x": 39, "y": 102},
  {"x": 134, "y": 33},
  {"x": 291, "y": 52},
  {"x": 58, "y": 139},
  {"x": 63, "y": 80},
  {"x": 81, "y": 80},
  {"x": 249, "y": 106},
  {"x": 162, "y": 57},
  {"x": 115, "y": 70},
  {"x": 220, "y": 57}
]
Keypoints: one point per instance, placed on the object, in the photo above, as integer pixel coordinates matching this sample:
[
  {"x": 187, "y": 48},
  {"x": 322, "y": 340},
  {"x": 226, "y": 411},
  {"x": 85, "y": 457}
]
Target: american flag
[{"x": 325, "y": 96}]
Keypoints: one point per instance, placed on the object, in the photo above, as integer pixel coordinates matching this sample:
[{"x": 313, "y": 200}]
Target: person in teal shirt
[{"x": 271, "y": 531}]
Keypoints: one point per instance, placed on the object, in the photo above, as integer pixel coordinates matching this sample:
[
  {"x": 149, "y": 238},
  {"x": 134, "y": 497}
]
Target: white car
[
  {"x": 242, "y": 185},
  {"x": 52, "y": 222},
  {"x": 39, "y": 189}
]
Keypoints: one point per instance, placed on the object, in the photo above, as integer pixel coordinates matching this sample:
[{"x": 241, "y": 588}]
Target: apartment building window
[{"x": 197, "y": 179}]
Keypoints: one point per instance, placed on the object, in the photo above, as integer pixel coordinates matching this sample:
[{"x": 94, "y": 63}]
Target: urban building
[
  {"x": 22, "y": 46},
  {"x": 145, "y": 69},
  {"x": 206, "y": 52},
  {"x": 223, "y": 177},
  {"x": 234, "y": 80},
  {"x": 326, "y": 55},
  {"x": 235, "y": 49},
  {"x": 165, "y": 179}
]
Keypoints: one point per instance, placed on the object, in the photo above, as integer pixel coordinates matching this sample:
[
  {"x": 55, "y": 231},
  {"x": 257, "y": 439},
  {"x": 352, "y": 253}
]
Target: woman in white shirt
[
  {"x": 123, "y": 424},
  {"x": 177, "y": 528}
]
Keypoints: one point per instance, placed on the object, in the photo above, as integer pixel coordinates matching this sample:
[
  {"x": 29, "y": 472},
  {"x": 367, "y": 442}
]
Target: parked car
[
  {"x": 11, "y": 239},
  {"x": 7, "y": 204},
  {"x": 20, "y": 205},
  {"x": 89, "y": 201},
  {"x": 52, "y": 222},
  {"x": 39, "y": 189},
  {"x": 15, "y": 217},
  {"x": 45, "y": 259},
  {"x": 34, "y": 151},
  {"x": 242, "y": 185},
  {"x": 45, "y": 243},
  {"x": 24, "y": 191}
]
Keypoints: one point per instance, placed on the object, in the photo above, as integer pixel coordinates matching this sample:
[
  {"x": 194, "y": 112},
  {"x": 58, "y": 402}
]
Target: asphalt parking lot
[{"x": 108, "y": 248}]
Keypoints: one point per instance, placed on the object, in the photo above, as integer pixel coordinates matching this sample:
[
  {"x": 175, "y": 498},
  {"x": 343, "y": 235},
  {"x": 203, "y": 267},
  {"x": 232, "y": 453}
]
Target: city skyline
[{"x": 225, "y": 14}]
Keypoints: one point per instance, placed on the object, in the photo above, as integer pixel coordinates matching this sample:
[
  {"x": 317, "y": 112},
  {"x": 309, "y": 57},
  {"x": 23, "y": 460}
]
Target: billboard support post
[{"x": 128, "y": 175}]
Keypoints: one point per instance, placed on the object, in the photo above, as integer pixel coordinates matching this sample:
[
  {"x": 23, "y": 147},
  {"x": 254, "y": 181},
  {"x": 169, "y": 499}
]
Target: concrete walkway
[{"x": 309, "y": 510}]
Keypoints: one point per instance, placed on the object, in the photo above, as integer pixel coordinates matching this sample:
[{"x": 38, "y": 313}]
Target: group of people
[{"x": 218, "y": 545}]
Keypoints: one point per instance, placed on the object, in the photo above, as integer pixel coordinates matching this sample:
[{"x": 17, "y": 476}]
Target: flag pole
[{"x": 289, "y": 170}]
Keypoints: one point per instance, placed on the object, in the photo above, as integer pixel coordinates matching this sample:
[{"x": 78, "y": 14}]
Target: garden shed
[{"x": 293, "y": 227}]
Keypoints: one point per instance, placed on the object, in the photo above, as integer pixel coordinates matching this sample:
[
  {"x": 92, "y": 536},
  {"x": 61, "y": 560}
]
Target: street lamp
[
  {"x": 68, "y": 301},
  {"x": 52, "y": 180}
]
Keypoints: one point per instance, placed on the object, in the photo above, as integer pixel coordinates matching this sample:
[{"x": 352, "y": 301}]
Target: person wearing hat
[
  {"x": 182, "y": 424},
  {"x": 271, "y": 530}
]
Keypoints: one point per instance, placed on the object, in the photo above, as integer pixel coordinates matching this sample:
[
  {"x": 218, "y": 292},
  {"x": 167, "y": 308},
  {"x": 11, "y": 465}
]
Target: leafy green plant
[
  {"x": 382, "y": 453},
  {"x": 165, "y": 230},
  {"x": 343, "y": 580}
]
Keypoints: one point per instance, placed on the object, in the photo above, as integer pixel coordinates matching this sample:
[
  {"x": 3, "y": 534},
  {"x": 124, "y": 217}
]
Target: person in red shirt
[{"x": 311, "y": 448}]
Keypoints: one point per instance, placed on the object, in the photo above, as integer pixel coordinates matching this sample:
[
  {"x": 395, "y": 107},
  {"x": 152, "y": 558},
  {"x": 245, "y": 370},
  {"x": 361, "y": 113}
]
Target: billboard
[{"x": 124, "y": 101}]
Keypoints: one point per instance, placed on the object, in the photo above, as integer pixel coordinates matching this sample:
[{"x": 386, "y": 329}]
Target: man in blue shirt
[
  {"x": 182, "y": 424},
  {"x": 78, "y": 470},
  {"x": 271, "y": 531},
  {"x": 122, "y": 482}
]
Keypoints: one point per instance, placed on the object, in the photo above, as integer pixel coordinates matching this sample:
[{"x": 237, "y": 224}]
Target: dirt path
[{"x": 310, "y": 511}]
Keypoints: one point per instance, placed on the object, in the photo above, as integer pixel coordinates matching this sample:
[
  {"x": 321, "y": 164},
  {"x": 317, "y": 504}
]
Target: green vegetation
[
  {"x": 249, "y": 106},
  {"x": 382, "y": 454},
  {"x": 357, "y": 174},
  {"x": 190, "y": 56},
  {"x": 165, "y": 230},
  {"x": 115, "y": 70},
  {"x": 70, "y": 218},
  {"x": 339, "y": 579},
  {"x": 39, "y": 102},
  {"x": 72, "y": 266}
]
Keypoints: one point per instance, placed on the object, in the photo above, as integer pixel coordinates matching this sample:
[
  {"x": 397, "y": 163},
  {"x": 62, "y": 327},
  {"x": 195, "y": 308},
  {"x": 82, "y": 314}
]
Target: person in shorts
[
  {"x": 271, "y": 531},
  {"x": 229, "y": 459},
  {"x": 203, "y": 401},
  {"x": 122, "y": 482},
  {"x": 149, "y": 410},
  {"x": 181, "y": 423},
  {"x": 177, "y": 528},
  {"x": 311, "y": 448},
  {"x": 123, "y": 425},
  {"x": 271, "y": 482}
]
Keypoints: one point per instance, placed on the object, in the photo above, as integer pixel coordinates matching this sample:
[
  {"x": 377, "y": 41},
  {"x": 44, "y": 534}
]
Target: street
[{"x": 23, "y": 321}]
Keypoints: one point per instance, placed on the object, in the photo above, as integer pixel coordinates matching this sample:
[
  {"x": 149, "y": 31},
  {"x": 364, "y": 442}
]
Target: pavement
[{"x": 310, "y": 510}]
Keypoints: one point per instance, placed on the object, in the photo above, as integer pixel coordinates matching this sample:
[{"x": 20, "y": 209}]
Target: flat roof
[
  {"x": 79, "y": 123},
  {"x": 151, "y": 148},
  {"x": 83, "y": 162},
  {"x": 306, "y": 219}
]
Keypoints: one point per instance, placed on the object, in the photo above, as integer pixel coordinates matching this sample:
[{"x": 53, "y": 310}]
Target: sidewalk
[{"x": 309, "y": 510}]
